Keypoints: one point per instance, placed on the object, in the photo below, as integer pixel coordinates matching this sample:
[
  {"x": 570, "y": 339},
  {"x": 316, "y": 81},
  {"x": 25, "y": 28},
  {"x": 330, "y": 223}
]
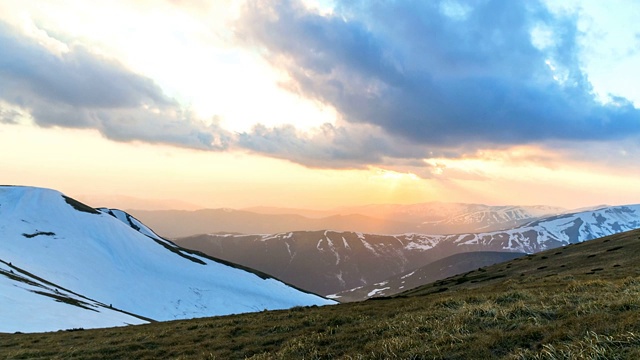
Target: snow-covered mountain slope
[
  {"x": 64, "y": 264},
  {"x": 32, "y": 304},
  {"x": 555, "y": 231},
  {"x": 489, "y": 218},
  {"x": 328, "y": 262}
]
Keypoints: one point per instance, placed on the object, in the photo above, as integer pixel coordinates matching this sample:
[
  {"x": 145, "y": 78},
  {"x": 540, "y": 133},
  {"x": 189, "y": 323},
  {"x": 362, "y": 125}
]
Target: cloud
[
  {"x": 9, "y": 116},
  {"x": 441, "y": 74},
  {"x": 331, "y": 146},
  {"x": 79, "y": 89},
  {"x": 410, "y": 80}
]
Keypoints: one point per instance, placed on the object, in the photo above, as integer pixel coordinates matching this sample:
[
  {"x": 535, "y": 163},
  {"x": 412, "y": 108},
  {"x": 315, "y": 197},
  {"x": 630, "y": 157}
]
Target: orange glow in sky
[
  {"x": 316, "y": 104},
  {"x": 83, "y": 164}
]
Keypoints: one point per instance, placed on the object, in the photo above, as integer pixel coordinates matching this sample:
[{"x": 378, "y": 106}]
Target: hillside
[
  {"x": 437, "y": 270},
  {"x": 577, "y": 302},
  {"x": 64, "y": 264},
  {"x": 329, "y": 262},
  {"x": 603, "y": 259}
]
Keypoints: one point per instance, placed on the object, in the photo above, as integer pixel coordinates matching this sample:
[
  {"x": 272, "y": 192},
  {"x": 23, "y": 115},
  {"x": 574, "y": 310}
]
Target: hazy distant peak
[{"x": 131, "y": 202}]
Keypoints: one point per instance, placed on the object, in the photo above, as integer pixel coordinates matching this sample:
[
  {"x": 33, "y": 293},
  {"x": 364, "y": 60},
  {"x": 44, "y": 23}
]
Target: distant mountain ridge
[
  {"x": 450, "y": 218},
  {"x": 328, "y": 262},
  {"x": 482, "y": 218},
  {"x": 66, "y": 265},
  {"x": 174, "y": 223},
  {"x": 428, "y": 218}
]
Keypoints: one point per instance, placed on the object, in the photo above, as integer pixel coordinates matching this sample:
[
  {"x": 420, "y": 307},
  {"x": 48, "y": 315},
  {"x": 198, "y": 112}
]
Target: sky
[{"x": 321, "y": 104}]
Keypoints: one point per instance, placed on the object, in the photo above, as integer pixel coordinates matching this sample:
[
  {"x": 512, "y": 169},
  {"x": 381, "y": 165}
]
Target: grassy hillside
[{"x": 581, "y": 301}]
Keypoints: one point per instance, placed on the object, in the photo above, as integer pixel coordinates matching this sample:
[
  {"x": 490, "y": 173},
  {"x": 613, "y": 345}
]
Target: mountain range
[
  {"x": 578, "y": 301},
  {"x": 66, "y": 265},
  {"x": 330, "y": 262},
  {"x": 426, "y": 218}
]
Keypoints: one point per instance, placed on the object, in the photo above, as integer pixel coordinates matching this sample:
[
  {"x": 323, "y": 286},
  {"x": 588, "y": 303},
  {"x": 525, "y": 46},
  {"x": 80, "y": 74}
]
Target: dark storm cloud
[
  {"x": 441, "y": 73},
  {"x": 79, "y": 89}
]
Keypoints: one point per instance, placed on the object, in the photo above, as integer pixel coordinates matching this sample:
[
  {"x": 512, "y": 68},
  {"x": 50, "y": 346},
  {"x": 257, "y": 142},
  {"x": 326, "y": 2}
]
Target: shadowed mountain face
[
  {"x": 429, "y": 218},
  {"x": 328, "y": 262},
  {"x": 325, "y": 261}
]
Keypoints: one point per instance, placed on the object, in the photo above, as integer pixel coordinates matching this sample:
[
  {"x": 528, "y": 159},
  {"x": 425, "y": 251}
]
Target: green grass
[{"x": 546, "y": 306}]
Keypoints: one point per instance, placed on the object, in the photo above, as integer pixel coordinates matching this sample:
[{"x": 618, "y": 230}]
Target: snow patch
[
  {"x": 346, "y": 245},
  {"x": 409, "y": 274},
  {"x": 376, "y": 291},
  {"x": 368, "y": 246}
]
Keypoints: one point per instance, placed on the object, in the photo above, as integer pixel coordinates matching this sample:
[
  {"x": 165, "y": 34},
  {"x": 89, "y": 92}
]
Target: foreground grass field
[{"x": 581, "y": 301}]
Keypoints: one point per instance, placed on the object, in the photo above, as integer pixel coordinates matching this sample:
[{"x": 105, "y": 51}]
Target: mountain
[
  {"x": 324, "y": 262},
  {"x": 455, "y": 218},
  {"x": 427, "y": 218},
  {"x": 597, "y": 261},
  {"x": 329, "y": 262},
  {"x": 309, "y": 213},
  {"x": 576, "y": 302},
  {"x": 437, "y": 270},
  {"x": 64, "y": 264},
  {"x": 174, "y": 223},
  {"x": 554, "y": 231},
  {"x": 131, "y": 202}
]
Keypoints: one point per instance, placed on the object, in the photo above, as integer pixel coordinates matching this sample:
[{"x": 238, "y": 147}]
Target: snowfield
[{"x": 65, "y": 265}]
